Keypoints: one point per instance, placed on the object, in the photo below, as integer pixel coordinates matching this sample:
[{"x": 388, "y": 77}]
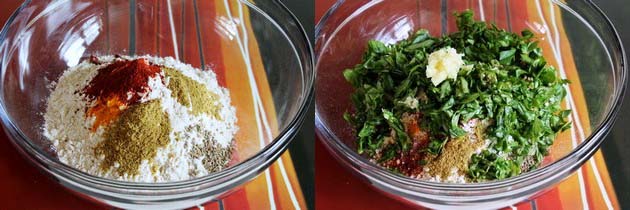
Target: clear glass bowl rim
[
  {"x": 433, "y": 192},
  {"x": 223, "y": 180}
]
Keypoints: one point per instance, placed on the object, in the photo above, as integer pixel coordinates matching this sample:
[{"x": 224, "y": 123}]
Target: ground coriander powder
[
  {"x": 135, "y": 136},
  {"x": 192, "y": 94},
  {"x": 456, "y": 154}
]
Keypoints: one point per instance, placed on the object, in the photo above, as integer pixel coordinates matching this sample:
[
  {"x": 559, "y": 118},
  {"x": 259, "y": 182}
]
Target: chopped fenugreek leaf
[{"x": 504, "y": 81}]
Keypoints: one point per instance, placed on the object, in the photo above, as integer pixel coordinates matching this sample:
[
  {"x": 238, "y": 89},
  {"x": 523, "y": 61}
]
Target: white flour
[{"x": 69, "y": 130}]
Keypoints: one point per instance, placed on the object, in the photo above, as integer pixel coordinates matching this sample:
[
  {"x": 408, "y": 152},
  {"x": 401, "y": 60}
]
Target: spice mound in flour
[
  {"x": 117, "y": 85},
  {"x": 142, "y": 119},
  {"x": 135, "y": 136},
  {"x": 191, "y": 93}
]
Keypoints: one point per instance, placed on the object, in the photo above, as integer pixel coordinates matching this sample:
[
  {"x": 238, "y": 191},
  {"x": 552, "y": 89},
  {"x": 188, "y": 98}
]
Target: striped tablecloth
[
  {"x": 23, "y": 187},
  {"x": 589, "y": 188}
]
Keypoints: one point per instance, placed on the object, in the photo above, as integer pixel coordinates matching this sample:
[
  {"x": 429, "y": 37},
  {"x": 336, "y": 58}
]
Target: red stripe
[
  {"x": 23, "y": 186},
  {"x": 501, "y": 14},
  {"x": 100, "y": 44},
  {"x": 337, "y": 188},
  {"x": 474, "y": 6},
  {"x": 452, "y": 7},
  {"x": 211, "y": 39},
  {"x": 237, "y": 200},
  {"x": 518, "y": 15},
  {"x": 166, "y": 46},
  {"x": 190, "y": 45},
  {"x": 118, "y": 27},
  {"x": 526, "y": 205},
  {"x": 146, "y": 28},
  {"x": 549, "y": 200},
  {"x": 428, "y": 16},
  {"x": 321, "y": 7},
  {"x": 491, "y": 10},
  {"x": 214, "y": 205}
]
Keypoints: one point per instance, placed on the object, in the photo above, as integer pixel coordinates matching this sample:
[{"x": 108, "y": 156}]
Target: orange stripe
[
  {"x": 249, "y": 41},
  {"x": 237, "y": 200},
  {"x": 165, "y": 43},
  {"x": 606, "y": 181},
  {"x": 146, "y": 28},
  {"x": 595, "y": 196},
  {"x": 569, "y": 66},
  {"x": 211, "y": 40},
  {"x": 190, "y": 44},
  {"x": 211, "y": 43},
  {"x": 549, "y": 200},
  {"x": 118, "y": 34}
]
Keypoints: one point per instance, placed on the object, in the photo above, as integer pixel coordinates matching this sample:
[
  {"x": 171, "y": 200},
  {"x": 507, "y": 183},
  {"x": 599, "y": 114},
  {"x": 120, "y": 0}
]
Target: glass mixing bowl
[
  {"x": 43, "y": 38},
  {"x": 575, "y": 36}
]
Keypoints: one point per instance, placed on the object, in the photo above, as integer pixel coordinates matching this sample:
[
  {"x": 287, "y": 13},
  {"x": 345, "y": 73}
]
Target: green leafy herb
[{"x": 506, "y": 81}]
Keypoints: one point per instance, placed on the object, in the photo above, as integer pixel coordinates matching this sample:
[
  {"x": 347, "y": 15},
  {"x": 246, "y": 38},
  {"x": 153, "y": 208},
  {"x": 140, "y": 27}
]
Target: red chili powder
[
  {"x": 117, "y": 86},
  {"x": 408, "y": 162}
]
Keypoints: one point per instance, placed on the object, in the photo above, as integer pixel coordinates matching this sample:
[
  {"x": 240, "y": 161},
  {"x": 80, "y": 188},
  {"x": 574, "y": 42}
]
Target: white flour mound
[{"x": 68, "y": 128}]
